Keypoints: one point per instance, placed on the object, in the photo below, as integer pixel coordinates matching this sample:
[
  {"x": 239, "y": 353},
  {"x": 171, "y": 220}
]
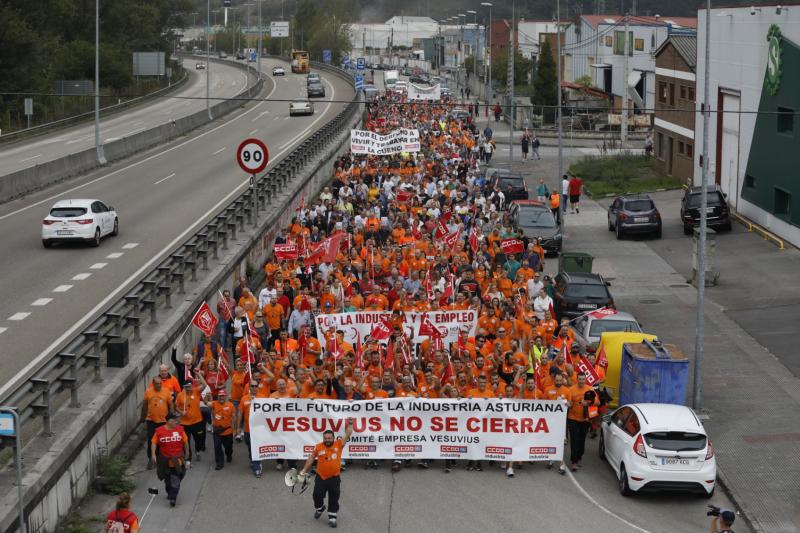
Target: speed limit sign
[{"x": 252, "y": 156}]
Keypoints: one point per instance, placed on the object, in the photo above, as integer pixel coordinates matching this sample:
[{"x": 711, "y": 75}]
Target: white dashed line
[
  {"x": 164, "y": 179},
  {"x": 254, "y": 131},
  {"x": 29, "y": 158},
  {"x": 3, "y": 329},
  {"x": 19, "y": 316},
  {"x": 111, "y": 140},
  {"x": 81, "y": 277},
  {"x": 62, "y": 288},
  {"x": 115, "y": 255},
  {"x": 42, "y": 302},
  {"x": 98, "y": 266},
  {"x": 275, "y": 118},
  {"x": 286, "y": 118},
  {"x": 130, "y": 246},
  {"x": 221, "y": 150}
]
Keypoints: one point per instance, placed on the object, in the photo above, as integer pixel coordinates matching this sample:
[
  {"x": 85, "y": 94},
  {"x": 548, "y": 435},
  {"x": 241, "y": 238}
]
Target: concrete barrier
[
  {"x": 39, "y": 176},
  {"x": 59, "y": 468}
]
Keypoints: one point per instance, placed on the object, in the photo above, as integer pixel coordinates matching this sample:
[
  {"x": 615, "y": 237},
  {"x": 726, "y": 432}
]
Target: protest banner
[
  {"x": 449, "y": 323},
  {"x": 369, "y": 142},
  {"x": 412, "y": 428},
  {"x": 416, "y": 92},
  {"x": 512, "y": 246}
]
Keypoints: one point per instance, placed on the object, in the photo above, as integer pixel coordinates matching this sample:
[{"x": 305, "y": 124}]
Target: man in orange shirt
[
  {"x": 328, "y": 455},
  {"x": 582, "y": 403},
  {"x": 222, "y": 413},
  {"x": 187, "y": 404},
  {"x": 157, "y": 403},
  {"x": 243, "y": 424}
]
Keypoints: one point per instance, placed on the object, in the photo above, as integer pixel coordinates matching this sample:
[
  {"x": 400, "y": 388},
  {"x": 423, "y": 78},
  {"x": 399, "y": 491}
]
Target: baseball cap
[{"x": 173, "y": 416}]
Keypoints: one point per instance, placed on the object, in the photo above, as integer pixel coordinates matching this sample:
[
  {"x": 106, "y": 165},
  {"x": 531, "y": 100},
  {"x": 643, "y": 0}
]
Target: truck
[
  {"x": 299, "y": 62},
  {"x": 390, "y": 78}
]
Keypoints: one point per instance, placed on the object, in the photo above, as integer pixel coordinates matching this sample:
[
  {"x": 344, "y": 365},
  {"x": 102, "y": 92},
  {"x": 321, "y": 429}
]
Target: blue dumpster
[{"x": 652, "y": 372}]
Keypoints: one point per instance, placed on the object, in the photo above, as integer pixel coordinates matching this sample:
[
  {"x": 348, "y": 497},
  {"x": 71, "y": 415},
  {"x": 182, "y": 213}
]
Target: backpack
[{"x": 117, "y": 526}]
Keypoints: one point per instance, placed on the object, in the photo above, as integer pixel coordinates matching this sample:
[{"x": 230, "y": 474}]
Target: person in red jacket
[
  {"x": 169, "y": 447},
  {"x": 121, "y": 518}
]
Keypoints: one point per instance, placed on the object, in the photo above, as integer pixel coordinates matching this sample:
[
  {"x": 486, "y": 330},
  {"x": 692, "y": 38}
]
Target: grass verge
[{"x": 622, "y": 174}]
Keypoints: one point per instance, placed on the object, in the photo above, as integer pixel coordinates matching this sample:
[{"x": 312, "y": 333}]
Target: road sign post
[
  {"x": 10, "y": 428},
  {"x": 29, "y": 109},
  {"x": 359, "y": 83},
  {"x": 346, "y": 61},
  {"x": 361, "y": 63}
]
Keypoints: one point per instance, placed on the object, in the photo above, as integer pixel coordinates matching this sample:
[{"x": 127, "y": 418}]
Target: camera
[{"x": 713, "y": 510}]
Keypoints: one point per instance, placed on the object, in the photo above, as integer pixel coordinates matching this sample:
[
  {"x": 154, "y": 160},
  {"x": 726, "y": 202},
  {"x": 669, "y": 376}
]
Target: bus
[{"x": 299, "y": 62}]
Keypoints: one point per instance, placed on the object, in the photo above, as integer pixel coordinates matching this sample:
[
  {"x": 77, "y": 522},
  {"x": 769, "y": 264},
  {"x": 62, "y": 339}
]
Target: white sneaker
[
  {"x": 278, "y": 466},
  {"x": 510, "y": 472}
]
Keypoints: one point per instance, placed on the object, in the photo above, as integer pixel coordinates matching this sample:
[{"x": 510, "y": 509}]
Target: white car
[
  {"x": 301, "y": 107},
  {"x": 278, "y": 71},
  {"x": 589, "y": 327},
  {"x": 200, "y": 66},
  {"x": 654, "y": 446},
  {"x": 79, "y": 220},
  {"x": 401, "y": 86}
]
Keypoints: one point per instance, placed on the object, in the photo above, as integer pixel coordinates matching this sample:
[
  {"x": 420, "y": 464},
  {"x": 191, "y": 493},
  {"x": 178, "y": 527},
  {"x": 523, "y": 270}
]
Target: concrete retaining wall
[
  {"x": 59, "y": 468},
  {"x": 37, "y": 177}
]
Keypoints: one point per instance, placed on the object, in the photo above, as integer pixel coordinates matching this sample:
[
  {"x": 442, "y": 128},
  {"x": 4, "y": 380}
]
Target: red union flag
[
  {"x": 204, "y": 319},
  {"x": 584, "y": 366},
  {"x": 382, "y": 330},
  {"x": 602, "y": 359},
  {"x": 427, "y": 329},
  {"x": 326, "y": 250},
  {"x": 603, "y": 312},
  {"x": 452, "y": 238},
  {"x": 473, "y": 239},
  {"x": 441, "y": 229},
  {"x": 286, "y": 251},
  {"x": 404, "y": 196},
  {"x": 512, "y": 246}
]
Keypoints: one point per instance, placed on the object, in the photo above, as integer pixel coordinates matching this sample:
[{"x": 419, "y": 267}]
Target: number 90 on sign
[{"x": 252, "y": 156}]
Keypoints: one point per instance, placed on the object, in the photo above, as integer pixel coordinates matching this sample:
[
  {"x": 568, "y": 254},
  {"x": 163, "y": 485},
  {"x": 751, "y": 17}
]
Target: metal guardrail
[{"x": 81, "y": 357}]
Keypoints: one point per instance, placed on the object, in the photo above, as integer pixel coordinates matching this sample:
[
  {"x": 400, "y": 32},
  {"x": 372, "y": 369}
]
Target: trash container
[
  {"x": 653, "y": 373},
  {"x": 575, "y": 262}
]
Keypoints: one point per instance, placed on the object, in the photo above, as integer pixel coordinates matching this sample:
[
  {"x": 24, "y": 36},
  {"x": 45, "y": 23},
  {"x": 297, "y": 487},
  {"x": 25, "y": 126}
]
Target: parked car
[
  {"x": 401, "y": 86},
  {"x": 717, "y": 212},
  {"x": 316, "y": 90},
  {"x": 200, "y": 66},
  {"x": 312, "y": 77},
  {"x": 446, "y": 93},
  {"x": 79, "y": 220},
  {"x": 239, "y": 55},
  {"x": 537, "y": 221},
  {"x": 636, "y": 213},
  {"x": 578, "y": 293},
  {"x": 588, "y": 327},
  {"x": 278, "y": 71},
  {"x": 223, "y": 55},
  {"x": 301, "y": 107},
  {"x": 653, "y": 446},
  {"x": 418, "y": 80},
  {"x": 512, "y": 184},
  {"x": 459, "y": 113}
]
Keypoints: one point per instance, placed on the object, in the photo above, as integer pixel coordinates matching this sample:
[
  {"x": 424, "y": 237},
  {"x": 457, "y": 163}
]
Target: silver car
[
  {"x": 301, "y": 107},
  {"x": 590, "y": 326}
]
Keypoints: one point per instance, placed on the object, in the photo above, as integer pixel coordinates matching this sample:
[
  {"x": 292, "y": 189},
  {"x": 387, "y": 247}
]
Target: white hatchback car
[
  {"x": 79, "y": 220},
  {"x": 654, "y": 446},
  {"x": 278, "y": 71}
]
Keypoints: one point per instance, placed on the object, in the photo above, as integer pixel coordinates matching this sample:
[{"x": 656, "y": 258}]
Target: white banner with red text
[
  {"x": 449, "y": 323},
  {"x": 412, "y": 428},
  {"x": 399, "y": 140}
]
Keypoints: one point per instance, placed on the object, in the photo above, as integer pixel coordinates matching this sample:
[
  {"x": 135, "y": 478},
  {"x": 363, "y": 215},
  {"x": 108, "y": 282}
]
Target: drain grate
[
  {"x": 649, "y": 301},
  {"x": 680, "y": 286}
]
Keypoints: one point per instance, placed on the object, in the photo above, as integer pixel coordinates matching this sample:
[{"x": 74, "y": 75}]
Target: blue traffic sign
[
  {"x": 226, "y": 3},
  {"x": 6, "y": 425},
  {"x": 346, "y": 59},
  {"x": 359, "y": 83},
  {"x": 326, "y": 56},
  {"x": 361, "y": 63},
  {"x": 253, "y": 56}
]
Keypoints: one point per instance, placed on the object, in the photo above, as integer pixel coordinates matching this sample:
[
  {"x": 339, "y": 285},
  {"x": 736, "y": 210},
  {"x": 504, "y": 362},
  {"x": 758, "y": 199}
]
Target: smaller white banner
[
  {"x": 449, "y": 323},
  {"x": 369, "y": 142},
  {"x": 415, "y": 92}
]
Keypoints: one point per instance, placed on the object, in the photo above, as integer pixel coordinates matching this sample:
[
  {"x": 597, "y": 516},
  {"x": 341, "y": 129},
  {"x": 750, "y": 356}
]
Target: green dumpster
[{"x": 575, "y": 262}]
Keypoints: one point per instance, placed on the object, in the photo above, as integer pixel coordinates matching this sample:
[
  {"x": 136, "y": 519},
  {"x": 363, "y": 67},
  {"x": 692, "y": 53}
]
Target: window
[
  {"x": 783, "y": 203},
  {"x": 681, "y": 147},
  {"x": 662, "y": 92},
  {"x": 619, "y": 36},
  {"x": 691, "y": 93},
  {"x": 638, "y": 44},
  {"x": 689, "y": 150},
  {"x": 672, "y": 94},
  {"x": 609, "y": 41},
  {"x": 683, "y": 92},
  {"x": 750, "y": 181},
  {"x": 660, "y": 146},
  {"x": 785, "y": 120}
]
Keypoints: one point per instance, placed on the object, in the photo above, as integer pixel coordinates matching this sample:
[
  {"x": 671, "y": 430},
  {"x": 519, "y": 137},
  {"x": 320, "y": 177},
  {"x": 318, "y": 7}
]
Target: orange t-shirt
[
  {"x": 189, "y": 405},
  {"x": 222, "y": 415},
  {"x": 158, "y": 404},
  {"x": 329, "y": 459},
  {"x": 576, "y": 396}
]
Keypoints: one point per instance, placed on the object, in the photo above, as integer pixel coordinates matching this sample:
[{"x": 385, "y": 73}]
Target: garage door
[{"x": 728, "y": 168}]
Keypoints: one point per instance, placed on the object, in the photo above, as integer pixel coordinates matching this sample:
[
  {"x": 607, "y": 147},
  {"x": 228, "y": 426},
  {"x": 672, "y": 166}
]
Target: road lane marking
[
  {"x": 3, "y": 329},
  {"x": 74, "y": 141},
  {"x": 254, "y": 131},
  {"x": 82, "y": 276},
  {"x": 130, "y": 245},
  {"x": 276, "y": 118},
  {"x": 62, "y": 288},
  {"x": 29, "y": 158},
  {"x": 19, "y": 316},
  {"x": 221, "y": 150},
  {"x": 164, "y": 179},
  {"x": 98, "y": 266},
  {"x": 115, "y": 255},
  {"x": 42, "y": 302},
  {"x": 603, "y": 507},
  {"x": 111, "y": 140},
  {"x": 145, "y": 160},
  {"x": 299, "y": 135}
]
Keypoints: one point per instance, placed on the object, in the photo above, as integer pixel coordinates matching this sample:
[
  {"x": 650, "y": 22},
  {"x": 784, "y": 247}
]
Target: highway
[
  {"x": 162, "y": 196},
  {"x": 226, "y": 81}
]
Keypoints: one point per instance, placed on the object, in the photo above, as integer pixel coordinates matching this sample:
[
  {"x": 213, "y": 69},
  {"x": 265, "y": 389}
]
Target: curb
[{"x": 742, "y": 510}]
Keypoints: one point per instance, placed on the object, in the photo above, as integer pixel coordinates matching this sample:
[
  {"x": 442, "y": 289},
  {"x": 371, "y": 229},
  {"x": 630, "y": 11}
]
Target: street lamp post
[
  {"x": 477, "y": 42},
  {"x": 260, "y": 36},
  {"x": 101, "y": 157},
  {"x": 208, "y": 59},
  {"x": 488, "y": 95}
]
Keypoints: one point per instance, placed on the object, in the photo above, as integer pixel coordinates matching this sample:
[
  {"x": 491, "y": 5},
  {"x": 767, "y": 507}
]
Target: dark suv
[
  {"x": 634, "y": 214},
  {"x": 578, "y": 293},
  {"x": 512, "y": 184},
  {"x": 536, "y": 220},
  {"x": 718, "y": 215}
]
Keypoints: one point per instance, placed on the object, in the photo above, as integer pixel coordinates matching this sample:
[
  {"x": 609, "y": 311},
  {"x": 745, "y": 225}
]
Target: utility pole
[
  {"x": 488, "y": 94},
  {"x": 260, "y": 36},
  {"x": 512, "y": 52},
  {"x": 208, "y": 59},
  {"x": 558, "y": 118},
  {"x": 101, "y": 156},
  {"x": 699, "y": 338},
  {"x": 624, "y": 124}
]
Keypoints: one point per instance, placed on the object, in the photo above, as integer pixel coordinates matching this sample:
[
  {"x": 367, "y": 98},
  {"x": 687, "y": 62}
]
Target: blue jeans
[
  {"x": 224, "y": 337},
  {"x": 255, "y": 466}
]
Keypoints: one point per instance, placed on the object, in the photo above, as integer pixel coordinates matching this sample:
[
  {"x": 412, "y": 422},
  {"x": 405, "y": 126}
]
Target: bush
[
  {"x": 622, "y": 173},
  {"x": 112, "y": 475}
]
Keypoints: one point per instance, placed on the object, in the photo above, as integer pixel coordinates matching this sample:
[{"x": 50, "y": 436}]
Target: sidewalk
[{"x": 749, "y": 397}]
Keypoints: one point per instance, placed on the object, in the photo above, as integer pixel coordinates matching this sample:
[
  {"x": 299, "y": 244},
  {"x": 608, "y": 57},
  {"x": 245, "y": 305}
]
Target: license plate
[
  {"x": 672, "y": 461},
  {"x": 587, "y": 306},
  {"x": 63, "y": 233},
  {"x": 639, "y": 220},
  {"x": 709, "y": 209}
]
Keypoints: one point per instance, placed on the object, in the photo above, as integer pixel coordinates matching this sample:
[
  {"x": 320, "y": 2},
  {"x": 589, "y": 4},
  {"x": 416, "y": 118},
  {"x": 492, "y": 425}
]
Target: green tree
[
  {"x": 522, "y": 68},
  {"x": 544, "y": 86},
  {"x": 585, "y": 81}
]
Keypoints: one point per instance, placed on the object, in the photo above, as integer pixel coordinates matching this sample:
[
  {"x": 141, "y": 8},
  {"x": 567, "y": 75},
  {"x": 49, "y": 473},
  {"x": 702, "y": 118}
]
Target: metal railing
[{"x": 80, "y": 359}]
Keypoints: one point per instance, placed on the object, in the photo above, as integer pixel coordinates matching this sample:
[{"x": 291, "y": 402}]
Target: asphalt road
[
  {"x": 226, "y": 81},
  {"x": 162, "y": 196}
]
